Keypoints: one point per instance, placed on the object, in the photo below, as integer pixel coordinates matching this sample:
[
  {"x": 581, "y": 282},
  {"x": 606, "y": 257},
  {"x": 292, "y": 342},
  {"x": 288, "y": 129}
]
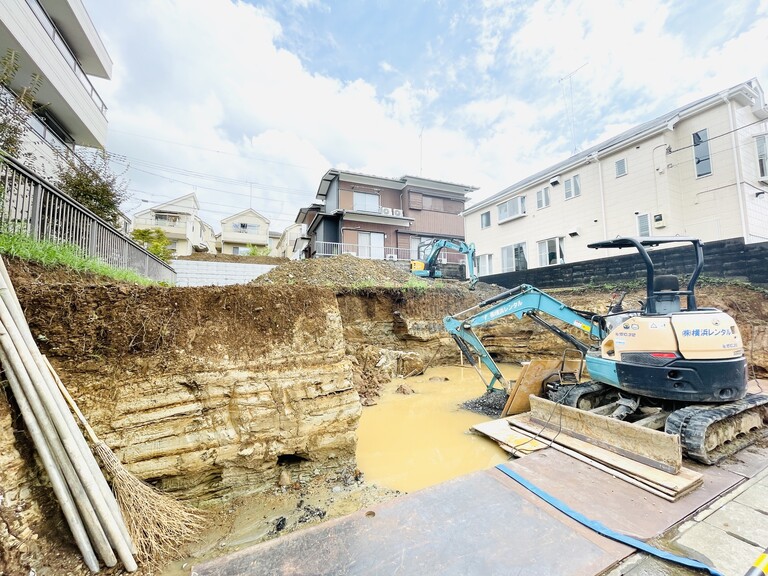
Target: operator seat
[{"x": 666, "y": 294}]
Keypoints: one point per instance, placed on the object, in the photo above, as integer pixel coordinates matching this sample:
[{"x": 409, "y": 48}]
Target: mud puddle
[{"x": 409, "y": 442}]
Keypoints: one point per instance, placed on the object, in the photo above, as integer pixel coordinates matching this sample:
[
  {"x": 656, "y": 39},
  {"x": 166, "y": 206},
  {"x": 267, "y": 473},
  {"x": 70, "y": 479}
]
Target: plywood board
[
  {"x": 476, "y": 524},
  {"x": 529, "y": 382},
  {"x": 673, "y": 484},
  {"x": 650, "y": 447},
  {"x": 509, "y": 439}
]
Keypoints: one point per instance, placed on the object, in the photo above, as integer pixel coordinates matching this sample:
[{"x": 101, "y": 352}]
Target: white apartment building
[
  {"x": 57, "y": 40},
  {"x": 700, "y": 170}
]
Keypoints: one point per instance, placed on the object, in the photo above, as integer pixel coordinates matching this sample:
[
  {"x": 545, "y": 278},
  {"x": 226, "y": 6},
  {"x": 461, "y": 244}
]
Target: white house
[
  {"x": 287, "y": 246},
  {"x": 178, "y": 219},
  {"x": 700, "y": 170},
  {"x": 243, "y": 230},
  {"x": 57, "y": 40}
]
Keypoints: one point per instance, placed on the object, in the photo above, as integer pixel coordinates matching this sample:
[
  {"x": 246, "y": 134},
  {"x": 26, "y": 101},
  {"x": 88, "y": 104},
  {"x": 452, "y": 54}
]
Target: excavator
[
  {"x": 429, "y": 266},
  {"x": 684, "y": 364}
]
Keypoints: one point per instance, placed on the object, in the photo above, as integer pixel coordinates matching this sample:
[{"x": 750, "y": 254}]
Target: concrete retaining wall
[
  {"x": 203, "y": 273},
  {"x": 722, "y": 259}
]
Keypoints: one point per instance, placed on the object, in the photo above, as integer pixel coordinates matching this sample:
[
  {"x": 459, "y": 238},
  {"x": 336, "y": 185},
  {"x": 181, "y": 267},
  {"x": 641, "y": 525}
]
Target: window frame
[
  {"x": 543, "y": 199},
  {"x": 761, "y": 142},
  {"x": 514, "y": 247},
  {"x": 621, "y": 167},
  {"x": 367, "y": 196},
  {"x": 488, "y": 259},
  {"x": 696, "y": 148},
  {"x": 572, "y": 187},
  {"x": 518, "y": 202},
  {"x": 558, "y": 250},
  {"x": 649, "y": 224},
  {"x": 483, "y": 215}
]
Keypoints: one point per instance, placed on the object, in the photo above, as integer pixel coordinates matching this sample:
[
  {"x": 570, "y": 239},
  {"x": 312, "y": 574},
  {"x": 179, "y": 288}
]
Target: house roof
[
  {"x": 396, "y": 183},
  {"x": 746, "y": 93},
  {"x": 247, "y": 212},
  {"x": 177, "y": 203}
]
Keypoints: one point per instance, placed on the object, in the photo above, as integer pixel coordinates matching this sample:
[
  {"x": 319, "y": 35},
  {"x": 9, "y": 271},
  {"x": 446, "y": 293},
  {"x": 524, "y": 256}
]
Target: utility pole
[{"x": 569, "y": 104}]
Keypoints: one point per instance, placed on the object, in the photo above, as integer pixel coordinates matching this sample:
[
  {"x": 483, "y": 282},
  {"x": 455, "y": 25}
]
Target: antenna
[{"x": 569, "y": 104}]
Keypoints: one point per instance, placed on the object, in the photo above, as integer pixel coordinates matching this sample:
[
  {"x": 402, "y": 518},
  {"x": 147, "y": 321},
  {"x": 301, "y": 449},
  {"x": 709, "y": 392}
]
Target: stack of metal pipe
[{"x": 86, "y": 500}]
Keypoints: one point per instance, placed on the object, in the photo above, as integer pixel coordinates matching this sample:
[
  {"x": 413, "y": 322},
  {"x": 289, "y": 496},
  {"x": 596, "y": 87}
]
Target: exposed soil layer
[{"x": 212, "y": 393}]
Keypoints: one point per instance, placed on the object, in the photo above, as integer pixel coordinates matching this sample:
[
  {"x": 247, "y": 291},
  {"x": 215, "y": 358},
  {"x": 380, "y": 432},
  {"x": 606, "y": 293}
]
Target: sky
[{"x": 247, "y": 104}]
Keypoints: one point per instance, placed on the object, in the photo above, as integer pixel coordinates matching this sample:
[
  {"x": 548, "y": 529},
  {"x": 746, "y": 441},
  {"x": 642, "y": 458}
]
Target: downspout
[
  {"x": 602, "y": 198},
  {"x": 737, "y": 165}
]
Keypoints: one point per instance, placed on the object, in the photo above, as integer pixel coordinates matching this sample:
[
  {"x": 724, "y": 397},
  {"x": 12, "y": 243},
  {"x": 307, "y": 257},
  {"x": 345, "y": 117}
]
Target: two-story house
[
  {"x": 699, "y": 170},
  {"x": 56, "y": 40},
  {"x": 178, "y": 219},
  {"x": 381, "y": 218},
  {"x": 242, "y": 231},
  {"x": 289, "y": 244}
]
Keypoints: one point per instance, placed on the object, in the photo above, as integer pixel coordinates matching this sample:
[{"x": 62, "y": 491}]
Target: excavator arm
[{"x": 524, "y": 300}]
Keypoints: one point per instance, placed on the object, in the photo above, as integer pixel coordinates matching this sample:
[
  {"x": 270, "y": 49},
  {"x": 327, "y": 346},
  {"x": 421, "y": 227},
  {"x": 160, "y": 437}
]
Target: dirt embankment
[{"x": 213, "y": 393}]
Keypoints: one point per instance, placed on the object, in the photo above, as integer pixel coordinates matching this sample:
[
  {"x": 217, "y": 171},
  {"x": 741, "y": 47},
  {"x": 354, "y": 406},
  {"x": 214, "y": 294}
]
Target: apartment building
[
  {"x": 56, "y": 40},
  {"x": 178, "y": 219},
  {"x": 700, "y": 170},
  {"x": 381, "y": 218}
]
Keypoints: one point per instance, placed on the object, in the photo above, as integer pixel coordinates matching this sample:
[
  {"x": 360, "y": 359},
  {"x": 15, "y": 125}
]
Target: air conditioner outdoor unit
[
  {"x": 397, "y": 212},
  {"x": 386, "y": 211},
  {"x": 390, "y": 257}
]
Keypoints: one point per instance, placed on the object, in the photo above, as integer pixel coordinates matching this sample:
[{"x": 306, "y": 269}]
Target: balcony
[{"x": 325, "y": 249}]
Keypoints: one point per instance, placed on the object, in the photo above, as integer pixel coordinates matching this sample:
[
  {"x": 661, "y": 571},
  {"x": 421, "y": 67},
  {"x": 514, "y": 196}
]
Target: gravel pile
[
  {"x": 491, "y": 403},
  {"x": 345, "y": 271}
]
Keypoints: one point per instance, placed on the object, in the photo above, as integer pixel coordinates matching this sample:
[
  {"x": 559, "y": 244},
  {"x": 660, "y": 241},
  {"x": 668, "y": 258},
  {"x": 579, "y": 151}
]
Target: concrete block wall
[
  {"x": 204, "y": 273},
  {"x": 730, "y": 258}
]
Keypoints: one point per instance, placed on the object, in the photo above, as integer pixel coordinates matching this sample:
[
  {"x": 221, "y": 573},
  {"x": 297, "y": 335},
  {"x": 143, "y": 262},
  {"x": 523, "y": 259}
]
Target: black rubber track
[{"x": 692, "y": 422}]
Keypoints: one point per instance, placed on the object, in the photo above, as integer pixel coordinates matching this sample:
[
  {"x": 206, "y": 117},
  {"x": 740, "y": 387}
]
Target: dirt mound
[{"x": 345, "y": 271}]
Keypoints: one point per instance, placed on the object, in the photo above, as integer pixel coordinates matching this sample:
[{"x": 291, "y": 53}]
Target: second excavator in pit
[{"x": 684, "y": 365}]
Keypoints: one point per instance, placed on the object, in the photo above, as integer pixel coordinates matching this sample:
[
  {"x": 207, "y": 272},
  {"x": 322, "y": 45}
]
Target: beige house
[
  {"x": 700, "y": 170},
  {"x": 242, "y": 231},
  {"x": 287, "y": 246},
  {"x": 179, "y": 221}
]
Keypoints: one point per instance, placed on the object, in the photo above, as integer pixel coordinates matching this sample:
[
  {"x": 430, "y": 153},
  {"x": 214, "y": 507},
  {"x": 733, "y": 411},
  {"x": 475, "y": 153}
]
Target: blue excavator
[
  {"x": 429, "y": 265},
  {"x": 686, "y": 364}
]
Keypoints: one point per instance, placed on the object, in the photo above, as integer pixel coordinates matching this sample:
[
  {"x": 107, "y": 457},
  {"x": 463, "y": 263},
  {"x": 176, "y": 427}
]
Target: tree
[
  {"x": 254, "y": 250},
  {"x": 154, "y": 241},
  {"x": 15, "y": 109},
  {"x": 87, "y": 178}
]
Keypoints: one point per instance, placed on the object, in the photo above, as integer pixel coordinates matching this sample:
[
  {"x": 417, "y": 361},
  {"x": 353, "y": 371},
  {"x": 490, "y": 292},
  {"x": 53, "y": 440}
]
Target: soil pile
[
  {"x": 210, "y": 257},
  {"x": 345, "y": 271}
]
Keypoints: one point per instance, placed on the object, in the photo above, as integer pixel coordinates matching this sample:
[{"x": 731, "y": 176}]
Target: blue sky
[{"x": 248, "y": 104}]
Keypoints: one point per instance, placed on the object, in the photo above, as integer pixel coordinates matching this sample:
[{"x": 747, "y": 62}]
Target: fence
[{"x": 30, "y": 205}]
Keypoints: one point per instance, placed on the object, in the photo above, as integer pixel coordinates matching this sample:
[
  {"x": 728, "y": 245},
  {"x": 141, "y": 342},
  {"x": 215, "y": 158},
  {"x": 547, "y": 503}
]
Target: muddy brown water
[
  {"x": 405, "y": 443},
  {"x": 409, "y": 442}
]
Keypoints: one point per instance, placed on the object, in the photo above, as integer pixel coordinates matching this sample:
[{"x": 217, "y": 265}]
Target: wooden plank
[
  {"x": 509, "y": 439},
  {"x": 645, "y": 445},
  {"x": 529, "y": 382},
  {"x": 684, "y": 481},
  {"x": 666, "y": 495}
]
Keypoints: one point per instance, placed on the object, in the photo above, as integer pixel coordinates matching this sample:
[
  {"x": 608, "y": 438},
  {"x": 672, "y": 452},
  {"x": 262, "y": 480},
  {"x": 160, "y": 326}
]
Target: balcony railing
[
  {"x": 324, "y": 249},
  {"x": 53, "y": 33},
  {"x": 30, "y": 205}
]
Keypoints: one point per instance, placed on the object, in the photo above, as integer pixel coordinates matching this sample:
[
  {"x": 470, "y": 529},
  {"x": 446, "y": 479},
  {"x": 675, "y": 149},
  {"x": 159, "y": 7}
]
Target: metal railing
[
  {"x": 324, "y": 249},
  {"x": 30, "y": 205}
]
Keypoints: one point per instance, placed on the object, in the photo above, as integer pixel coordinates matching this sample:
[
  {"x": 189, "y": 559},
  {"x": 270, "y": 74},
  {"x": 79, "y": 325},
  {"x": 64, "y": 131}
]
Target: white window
[
  {"x": 370, "y": 245},
  {"x": 245, "y": 228},
  {"x": 701, "y": 158},
  {"x": 621, "y": 168},
  {"x": 513, "y": 258},
  {"x": 485, "y": 220},
  {"x": 484, "y": 264},
  {"x": 551, "y": 252},
  {"x": 241, "y": 250},
  {"x": 167, "y": 220},
  {"x": 542, "y": 198},
  {"x": 762, "y": 155},
  {"x": 366, "y": 202},
  {"x": 572, "y": 187},
  {"x": 512, "y": 208},
  {"x": 643, "y": 225}
]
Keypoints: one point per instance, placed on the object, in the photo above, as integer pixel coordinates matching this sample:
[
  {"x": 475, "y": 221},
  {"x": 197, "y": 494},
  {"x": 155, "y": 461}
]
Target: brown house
[{"x": 381, "y": 218}]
